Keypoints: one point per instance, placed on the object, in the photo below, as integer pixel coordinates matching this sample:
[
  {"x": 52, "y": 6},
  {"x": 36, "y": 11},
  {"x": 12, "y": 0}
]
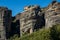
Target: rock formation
[
  {"x": 30, "y": 20},
  {"x": 5, "y": 23},
  {"x": 52, "y": 14}
]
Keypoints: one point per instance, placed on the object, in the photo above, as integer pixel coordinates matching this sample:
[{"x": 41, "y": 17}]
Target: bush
[
  {"x": 55, "y": 32},
  {"x": 15, "y": 37},
  {"x": 43, "y": 34}
]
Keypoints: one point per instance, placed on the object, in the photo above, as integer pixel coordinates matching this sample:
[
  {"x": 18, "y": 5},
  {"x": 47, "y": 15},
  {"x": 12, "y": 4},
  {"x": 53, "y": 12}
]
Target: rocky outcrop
[
  {"x": 5, "y": 23},
  {"x": 31, "y": 19},
  {"x": 52, "y": 14}
]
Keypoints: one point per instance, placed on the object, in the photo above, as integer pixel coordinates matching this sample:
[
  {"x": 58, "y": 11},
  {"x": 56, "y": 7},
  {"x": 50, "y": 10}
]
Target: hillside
[{"x": 43, "y": 34}]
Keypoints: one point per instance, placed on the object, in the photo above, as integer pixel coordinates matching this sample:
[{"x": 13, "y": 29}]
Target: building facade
[{"x": 5, "y": 23}]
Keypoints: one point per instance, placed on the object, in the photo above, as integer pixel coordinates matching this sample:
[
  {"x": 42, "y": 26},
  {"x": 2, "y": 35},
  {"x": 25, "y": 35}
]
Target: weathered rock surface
[{"x": 52, "y": 15}]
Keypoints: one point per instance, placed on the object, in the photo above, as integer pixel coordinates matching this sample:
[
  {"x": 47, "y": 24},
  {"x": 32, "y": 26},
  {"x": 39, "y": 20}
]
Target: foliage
[
  {"x": 15, "y": 37},
  {"x": 55, "y": 32},
  {"x": 42, "y": 34},
  {"x": 52, "y": 33}
]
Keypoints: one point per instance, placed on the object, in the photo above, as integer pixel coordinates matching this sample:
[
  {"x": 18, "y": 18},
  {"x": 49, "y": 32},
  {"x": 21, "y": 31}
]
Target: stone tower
[{"x": 5, "y": 23}]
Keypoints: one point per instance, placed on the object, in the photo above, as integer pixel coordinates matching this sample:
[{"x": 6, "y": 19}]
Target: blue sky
[{"x": 18, "y": 5}]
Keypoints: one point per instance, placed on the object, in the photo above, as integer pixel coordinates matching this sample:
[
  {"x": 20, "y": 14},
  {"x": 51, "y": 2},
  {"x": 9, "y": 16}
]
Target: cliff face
[
  {"x": 34, "y": 18},
  {"x": 5, "y": 23},
  {"x": 31, "y": 19},
  {"x": 52, "y": 14}
]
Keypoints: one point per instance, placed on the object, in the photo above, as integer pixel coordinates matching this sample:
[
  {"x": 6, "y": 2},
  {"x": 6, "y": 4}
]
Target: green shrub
[
  {"x": 42, "y": 34},
  {"x": 15, "y": 37},
  {"x": 55, "y": 32},
  {"x": 52, "y": 33}
]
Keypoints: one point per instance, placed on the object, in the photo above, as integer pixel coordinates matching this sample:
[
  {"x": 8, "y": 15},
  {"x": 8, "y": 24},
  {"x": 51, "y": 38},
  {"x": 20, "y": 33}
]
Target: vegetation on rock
[{"x": 52, "y": 33}]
